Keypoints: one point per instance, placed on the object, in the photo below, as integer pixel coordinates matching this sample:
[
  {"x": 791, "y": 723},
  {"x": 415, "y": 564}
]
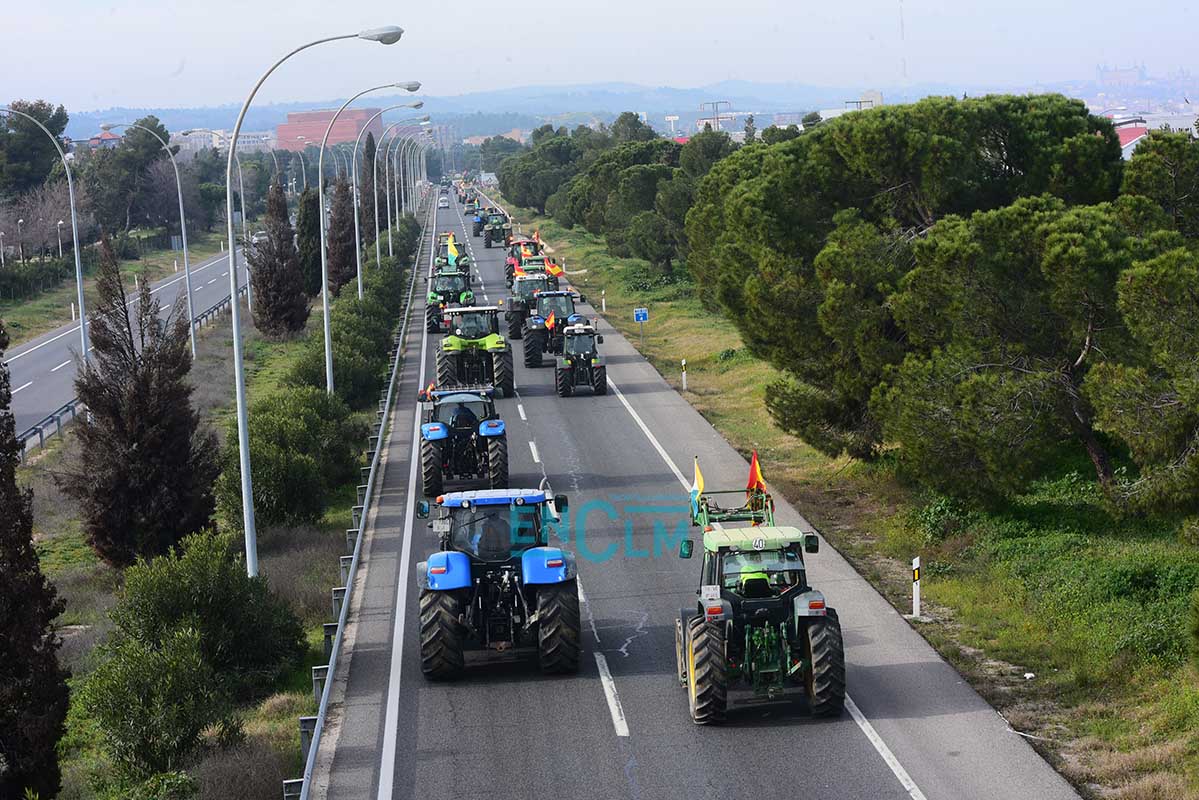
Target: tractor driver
[
  {"x": 463, "y": 418},
  {"x": 474, "y": 326}
]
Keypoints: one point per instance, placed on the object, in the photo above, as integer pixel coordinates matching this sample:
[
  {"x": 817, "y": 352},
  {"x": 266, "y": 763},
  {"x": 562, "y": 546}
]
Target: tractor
[
  {"x": 518, "y": 248},
  {"x": 496, "y": 229},
  {"x": 545, "y": 324},
  {"x": 496, "y": 587},
  {"x": 480, "y": 219},
  {"x": 580, "y": 363},
  {"x": 538, "y": 265},
  {"x": 474, "y": 352},
  {"x": 471, "y": 208},
  {"x": 758, "y": 629},
  {"x": 449, "y": 254},
  {"x": 461, "y": 437},
  {"x": 524, "y": 294},
  {"x": 446, "y": 289}
]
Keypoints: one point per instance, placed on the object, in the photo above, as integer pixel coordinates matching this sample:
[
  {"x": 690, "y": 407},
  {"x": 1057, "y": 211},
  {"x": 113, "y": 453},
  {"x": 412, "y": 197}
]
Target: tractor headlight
[{"x": 520, "y": 501}]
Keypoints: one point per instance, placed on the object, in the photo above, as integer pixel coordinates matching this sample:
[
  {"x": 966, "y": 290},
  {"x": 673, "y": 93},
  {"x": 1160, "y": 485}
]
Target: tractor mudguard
[
  {"x": 575, "y": 319},
  {"x": 541, "y": 565},
  {"x": 492, "y": 427},
  {"x": 453, "y": 344},
  {"x": 467, "y": 298},
  {"x": 444, "y": 571},
  {"x": 536, "y": 321},
  {"x": 810, "y": 604},
  {"x": 434, "y": 431}
]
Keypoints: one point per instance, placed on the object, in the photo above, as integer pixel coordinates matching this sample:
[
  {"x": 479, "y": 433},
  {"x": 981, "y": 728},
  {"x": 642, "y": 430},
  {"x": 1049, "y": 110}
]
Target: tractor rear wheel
[
  {"x": 502, "y": 374},
  {"x": 497, "y": 462},
  {"x": 447, "y": 368},
  {"x": 559, "y": 630},
  {"x": 441, "y": 634},
  {"x": 534, "y": 344},
  {"x": 432, "y": 319},
  {"x": 707, "y": 679},
  {"x": 826, "y": 677},
  {"x": 514, "y": 326},
  {"x": 487, "y": 239},
  {"x": 432, "y": 478},
  {"x": 599, "y": 380},
  {"x": 563, "y": 383}
]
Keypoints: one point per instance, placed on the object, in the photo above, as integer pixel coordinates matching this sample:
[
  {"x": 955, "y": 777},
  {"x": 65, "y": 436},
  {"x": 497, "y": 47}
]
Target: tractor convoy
[{"x": 496, "y": 587}]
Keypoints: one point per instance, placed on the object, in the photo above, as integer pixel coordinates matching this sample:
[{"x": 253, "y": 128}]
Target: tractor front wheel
[
  {"x": 599, "y": 380},
  {"x": 826, "y": 677},
  {"x": 563, "y": 382},
  {"x": 441, "y": 634},
  {"x": 707, "y": 678},
  {"x": 497, "y": 462},
  {"x": 559, "y": 629},
  {"x": 534, "y": 344},
  {"x": 432, "y": 478}
]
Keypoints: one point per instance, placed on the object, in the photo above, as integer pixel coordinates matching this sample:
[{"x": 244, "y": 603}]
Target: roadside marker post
[
  {"x": 72, "y": 312},
  {"x": 916, "y": 586},
  {"x": 641, "y": 316},
  {"x": 604, "y": 300},
  {"x": 684, "y": 374}
]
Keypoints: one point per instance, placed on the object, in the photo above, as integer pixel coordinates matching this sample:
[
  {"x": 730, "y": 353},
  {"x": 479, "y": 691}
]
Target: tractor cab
[
  {"x": 544, "y": 327},
  {"x": 462, "y": 437},
  {"x": 525, "y": 289},
  {"x": 580, "y": 363},
  {"x": 519, "y": 248},
  {"x": 474, "y": 322},
  {"x": 496, "y": 228},
  {"x": 474, "y": 352},
  {"x": 447, "y": 288}
]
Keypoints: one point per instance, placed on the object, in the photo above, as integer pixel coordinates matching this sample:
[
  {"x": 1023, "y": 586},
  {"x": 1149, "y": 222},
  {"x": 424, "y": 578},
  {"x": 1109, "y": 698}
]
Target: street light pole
[
  {"x": 1, "y": 249},
  {"x": 386, "y": 190},
  {"x": 354, "y": 172},
  {"x": 74, "y": 227},
  {"x": 241, "y": 188},
  {"x": 187, "y": 270},
  {"x": 20, "y": 240},
  {"x": 388, "y": 35},
  {"x": 59, "y": 227},
  {"x": 303, "y": 166},
  {"x": 411, "y": 86}
]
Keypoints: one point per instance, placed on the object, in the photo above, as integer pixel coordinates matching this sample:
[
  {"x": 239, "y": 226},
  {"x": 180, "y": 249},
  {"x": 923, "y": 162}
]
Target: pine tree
[
  {"x": 368, "y": 198},
  {"x": 340, "y": 247},
  {"x": 280, "y": 305},
  {"x": 147, "y": 466},
  {"x": 33, "y": 687},
  {"x": 308, "y": 233}
]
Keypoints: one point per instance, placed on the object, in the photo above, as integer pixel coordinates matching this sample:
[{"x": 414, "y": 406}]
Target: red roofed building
[
  {"x": 1131, "y": 137},
  {"x": 104, "y": 139},
  {"x": 312, "y": 124}
]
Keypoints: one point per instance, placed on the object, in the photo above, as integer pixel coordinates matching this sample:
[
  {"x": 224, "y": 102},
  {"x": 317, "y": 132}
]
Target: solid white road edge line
[
  {"x": 614, "y": 707},
  {"x": 871, "y": 734}
]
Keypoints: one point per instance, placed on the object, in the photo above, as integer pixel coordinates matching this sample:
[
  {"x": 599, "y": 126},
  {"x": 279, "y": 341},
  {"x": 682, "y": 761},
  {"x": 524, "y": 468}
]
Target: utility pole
[{"x": 716, "y": 116}]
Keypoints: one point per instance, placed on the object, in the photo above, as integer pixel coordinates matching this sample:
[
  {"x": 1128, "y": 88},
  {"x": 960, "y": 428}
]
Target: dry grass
[
  {"x": 301, "y": 564},
  {"x": 254, "y": 770}
]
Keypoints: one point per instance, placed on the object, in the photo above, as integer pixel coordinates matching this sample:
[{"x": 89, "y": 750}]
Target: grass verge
[{"x": 1092, "y": 607}]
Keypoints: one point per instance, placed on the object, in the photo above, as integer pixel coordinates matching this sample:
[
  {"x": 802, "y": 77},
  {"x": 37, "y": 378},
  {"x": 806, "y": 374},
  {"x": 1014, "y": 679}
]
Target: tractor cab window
[
  {"x": 526, "y": 289},
  {"x": 474, "y": 326},
  {"x": 465, "y": 414},
  {"x": 580, "y": 344},
  {"x": 562, "y": 306},
  {"x": 494, "y": 533},
  {"x": 496, "y": 219},
  {"x": 449, "y": 283},
  {"x": 766, "y": 573}
]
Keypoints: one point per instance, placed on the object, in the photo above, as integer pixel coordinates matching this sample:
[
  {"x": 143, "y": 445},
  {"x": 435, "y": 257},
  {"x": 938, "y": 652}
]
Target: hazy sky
[{"x": 96, "y": 54}]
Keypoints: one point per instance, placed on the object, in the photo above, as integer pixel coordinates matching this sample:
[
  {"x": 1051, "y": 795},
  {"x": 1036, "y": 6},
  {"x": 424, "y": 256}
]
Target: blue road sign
[{"x": 640, "y": 315}]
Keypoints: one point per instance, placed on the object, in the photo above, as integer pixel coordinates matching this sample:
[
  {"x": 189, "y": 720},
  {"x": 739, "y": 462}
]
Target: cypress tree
[{"x": 280, "y": 305}]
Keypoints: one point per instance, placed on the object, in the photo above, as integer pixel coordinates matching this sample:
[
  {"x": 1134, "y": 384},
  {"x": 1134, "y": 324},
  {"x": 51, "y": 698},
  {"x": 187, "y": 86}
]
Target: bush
[
  {"x": 164, "y": 786},
  {"x": 153, "y": 700},
  {"x": 303, "y": 446},
  {"x": 1194, "y": 625},
  {"x": 247, "y": 636},
  {"x": 358, "y": 368}
]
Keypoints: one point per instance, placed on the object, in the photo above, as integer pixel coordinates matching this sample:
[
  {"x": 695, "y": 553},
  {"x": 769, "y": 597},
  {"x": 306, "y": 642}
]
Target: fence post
[
  {"x": 330, "y": 634},
  {"x": 292, "y": 789},
  {"x": 346, "y": 561},
  {"x": 319, "y": 675},
  {"x": 339, "y": 597},
  {"x": 307, "y": 729}
]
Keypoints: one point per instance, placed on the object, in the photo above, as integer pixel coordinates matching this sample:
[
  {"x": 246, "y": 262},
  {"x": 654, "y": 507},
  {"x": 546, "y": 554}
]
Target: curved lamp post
[
  {"x": 410, "y": 86},
  {"x": 386, "y": 188},
  {"x": 74, "y": 226},
  {"x": 386, "y": 35},
  {"x": 354, "y": 173},
  {"x": 303, "y": 166},
  {"x": 187, "y": 270},
  {"x": 245, "y": 236}
]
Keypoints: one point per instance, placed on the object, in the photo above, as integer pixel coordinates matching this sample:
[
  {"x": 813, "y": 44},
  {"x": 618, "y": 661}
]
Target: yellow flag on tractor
[
  {"x": 756, "y": 481},
  {"x": 550, "y": 320},
  {"x": 697, "y": 488},
  {"x": 452, "y": 252}
]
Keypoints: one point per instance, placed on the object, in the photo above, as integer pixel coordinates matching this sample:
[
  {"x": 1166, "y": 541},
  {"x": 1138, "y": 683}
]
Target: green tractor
[
  {"x": 580, "y": 363},
  {"x": 523, "y": 298},
  {"x": 474, "y": 353},
  {"x": 758, "y": 629},
  {"x": 446, "y": 289},
  {"x": 496, "y": 229},
  {"x": 544, "y": 326},
  {"x": 450, "y": 254}
]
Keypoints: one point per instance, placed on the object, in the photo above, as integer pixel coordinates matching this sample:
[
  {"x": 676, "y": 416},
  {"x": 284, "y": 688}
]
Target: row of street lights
[
  {"x": 413, "y": 160},
  {"x": 21, "y": 241}
]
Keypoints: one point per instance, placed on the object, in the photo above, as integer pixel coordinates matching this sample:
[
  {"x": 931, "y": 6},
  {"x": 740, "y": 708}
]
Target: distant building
[
  {"x": 104, "y": 140},
  {"x": 1110, "y": 78},
  {"x": 312, "y": 124},
  {"x": 1131, "y": 137}
]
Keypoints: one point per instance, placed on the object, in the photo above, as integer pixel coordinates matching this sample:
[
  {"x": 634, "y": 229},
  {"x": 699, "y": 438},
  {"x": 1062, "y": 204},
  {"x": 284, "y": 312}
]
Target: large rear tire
[
  {"x": 447, "y": 368},
  {"x": 563, "y": 383},
  {"x": 534, "y": 344},
  {"x": 433, "y": 319},
  {"x": 432, "y": 477},
  {"x": 599, "y": 380},
  {"x": 502, "y": 373},
  {"x": 559, "y": 630},
  {"x": 514, "y": 326},
  {"x": 497, "y": 462},
  {"x": 707, "y": 679},
  {"x": 441, "y": 634},
  {"x": 487, "y": 239},
  {"x": 826, "y": 678}
]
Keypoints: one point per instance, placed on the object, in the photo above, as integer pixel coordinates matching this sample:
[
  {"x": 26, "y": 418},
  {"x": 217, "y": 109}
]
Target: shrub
[
  {"x": 165, "y": 786},
  {"x": 1194, "y": 625},
  {"x": 303, "y": 445},
  {"x": 357, "y": 368},
  {"x": 153, "y": 701},
  {"x": 247, "y": 636}
]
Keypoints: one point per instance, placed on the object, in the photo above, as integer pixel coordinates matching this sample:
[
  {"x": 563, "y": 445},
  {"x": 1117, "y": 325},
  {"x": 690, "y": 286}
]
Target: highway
[
  {"x": 620, "y": 727},
  {"x": 43, "y": 369}
]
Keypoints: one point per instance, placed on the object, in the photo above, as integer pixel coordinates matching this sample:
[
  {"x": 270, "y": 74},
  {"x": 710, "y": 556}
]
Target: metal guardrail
[
  {"x": 51, "y": 424},
  {"x": 311, "y": 728}
]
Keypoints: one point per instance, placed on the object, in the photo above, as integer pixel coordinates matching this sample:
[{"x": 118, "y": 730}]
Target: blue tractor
[
  {"x": 545, "y": 326},
  {"x": 496, "y": 586},
  {"x": 462, "y": 437}
]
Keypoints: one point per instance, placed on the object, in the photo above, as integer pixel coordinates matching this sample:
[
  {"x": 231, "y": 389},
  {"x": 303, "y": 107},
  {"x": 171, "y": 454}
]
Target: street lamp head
[
  {"x": 409, "y": 86},
  {"x": 417, "y": 104},
  {"x": 107, "y": 126},
  {"x": 388, "y": 34},
  {"x": 424, "y": 119}
]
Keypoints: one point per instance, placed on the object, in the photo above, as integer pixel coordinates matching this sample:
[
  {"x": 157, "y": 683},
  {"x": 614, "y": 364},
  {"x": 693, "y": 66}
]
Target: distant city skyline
[{"x": 166, "y": 53}]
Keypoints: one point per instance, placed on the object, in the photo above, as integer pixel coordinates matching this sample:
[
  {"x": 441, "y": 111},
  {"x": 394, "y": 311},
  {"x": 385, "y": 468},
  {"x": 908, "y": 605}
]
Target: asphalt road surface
[
  {"x": 43, "y": 369},
  {"x": 620, "y": 727}
]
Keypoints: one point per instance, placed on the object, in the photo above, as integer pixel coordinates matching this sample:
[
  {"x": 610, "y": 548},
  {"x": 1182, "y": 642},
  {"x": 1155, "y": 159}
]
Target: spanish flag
[
  {"x": 697, "y": 488},
  {"x": 553, "y": 268},
  {"x": 452, "y": 251},
  {"x": 756, "y": 481},
  {"x": 550, "y": 320},
  {"x": 537, "y": 236},
  {"x": 518, "y": 270},
  {"x": 525, "y": 252}
]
